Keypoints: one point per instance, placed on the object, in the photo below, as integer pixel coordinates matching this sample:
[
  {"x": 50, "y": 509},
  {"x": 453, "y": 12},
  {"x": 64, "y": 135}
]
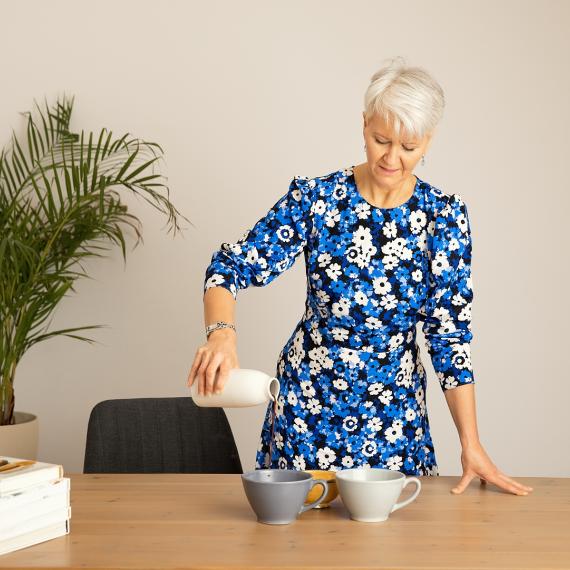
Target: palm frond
[{"x": 60, "y": 202}]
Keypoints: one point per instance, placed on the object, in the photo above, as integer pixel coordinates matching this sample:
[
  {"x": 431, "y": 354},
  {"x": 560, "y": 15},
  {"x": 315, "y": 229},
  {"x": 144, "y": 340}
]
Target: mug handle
[
  {"x": 317, "y": 501},
  {"x": 410, "y": 499}
]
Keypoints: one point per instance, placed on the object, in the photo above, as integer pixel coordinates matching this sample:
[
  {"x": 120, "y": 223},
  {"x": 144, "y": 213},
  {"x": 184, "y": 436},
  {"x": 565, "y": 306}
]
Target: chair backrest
[{"x": 159, "y": 435}]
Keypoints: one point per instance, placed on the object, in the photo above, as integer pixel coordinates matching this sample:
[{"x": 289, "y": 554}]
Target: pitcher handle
[
  {"x": 317, "y": 501},
  {"x": 407, "y": 481}
]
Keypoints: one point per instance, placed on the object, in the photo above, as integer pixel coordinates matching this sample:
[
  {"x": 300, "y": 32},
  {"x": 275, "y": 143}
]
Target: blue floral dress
[{"x": 353, "y": 386}]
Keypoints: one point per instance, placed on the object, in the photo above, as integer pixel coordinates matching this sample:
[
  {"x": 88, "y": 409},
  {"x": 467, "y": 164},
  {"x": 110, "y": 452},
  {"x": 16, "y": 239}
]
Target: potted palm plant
[{"x": 60, "y": 202}]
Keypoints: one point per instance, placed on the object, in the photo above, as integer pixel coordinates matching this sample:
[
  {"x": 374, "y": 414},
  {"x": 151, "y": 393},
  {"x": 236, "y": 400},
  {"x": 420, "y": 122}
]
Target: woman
[{"x": 384, "y": 250}]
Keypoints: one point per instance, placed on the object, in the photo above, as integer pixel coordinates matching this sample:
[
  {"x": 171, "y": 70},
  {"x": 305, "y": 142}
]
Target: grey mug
[{"x": 277, "y": 496}]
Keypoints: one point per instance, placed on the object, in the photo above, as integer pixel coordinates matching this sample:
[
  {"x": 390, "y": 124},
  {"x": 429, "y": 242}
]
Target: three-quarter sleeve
[
  {"x": 447, "y": 311},
  {"x": 268, "y": 248}
]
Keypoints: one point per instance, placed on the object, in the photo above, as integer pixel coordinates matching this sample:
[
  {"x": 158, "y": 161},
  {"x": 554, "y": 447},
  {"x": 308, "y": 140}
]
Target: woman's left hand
[{"x": 476, "y": 463}]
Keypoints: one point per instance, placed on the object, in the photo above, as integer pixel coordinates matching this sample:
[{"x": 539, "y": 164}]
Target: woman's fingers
[
  {"x": 201, "y": 372},
  {"x": 222, "y": 377},
  {"x": 195, "y": 365},
  {"x": 211, "y": 373},
  {"x": 514, "y": 483},
  {"x": 508, "y": 484}
]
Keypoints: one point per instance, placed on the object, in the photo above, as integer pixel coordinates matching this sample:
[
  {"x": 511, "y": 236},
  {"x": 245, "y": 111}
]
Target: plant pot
[{"x": 21, "y": 438}]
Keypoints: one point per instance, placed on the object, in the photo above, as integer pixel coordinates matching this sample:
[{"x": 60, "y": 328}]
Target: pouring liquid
[{"x": 273, "y": 416}]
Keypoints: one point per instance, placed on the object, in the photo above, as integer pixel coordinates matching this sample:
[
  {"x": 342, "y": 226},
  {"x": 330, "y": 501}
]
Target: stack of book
[{"x": 34, "y": 503}]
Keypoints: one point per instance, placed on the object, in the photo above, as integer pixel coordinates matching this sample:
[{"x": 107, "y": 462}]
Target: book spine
[
  {"x": 41, "y": 507},
  {"x": 36, "y": 523},
  {"x": 11, "y": 482},
  {"x": 15, "y": 501},
  {"x": 34, "y": 537}
]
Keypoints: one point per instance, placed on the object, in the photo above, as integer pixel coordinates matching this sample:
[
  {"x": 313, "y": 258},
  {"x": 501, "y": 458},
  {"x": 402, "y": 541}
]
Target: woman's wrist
[{"x": 223, "y": 332}]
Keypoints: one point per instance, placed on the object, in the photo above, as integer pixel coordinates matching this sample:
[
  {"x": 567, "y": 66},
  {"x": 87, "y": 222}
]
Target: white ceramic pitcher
[{"x": 244, "y": 387}]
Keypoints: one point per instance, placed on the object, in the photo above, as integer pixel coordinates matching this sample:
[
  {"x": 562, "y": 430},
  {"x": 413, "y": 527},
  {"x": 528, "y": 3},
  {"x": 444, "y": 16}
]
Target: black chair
[{"x": 159, "y": 435}]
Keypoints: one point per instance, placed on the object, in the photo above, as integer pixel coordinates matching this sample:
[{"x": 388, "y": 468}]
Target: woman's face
[{"x": 391, "y": 160}]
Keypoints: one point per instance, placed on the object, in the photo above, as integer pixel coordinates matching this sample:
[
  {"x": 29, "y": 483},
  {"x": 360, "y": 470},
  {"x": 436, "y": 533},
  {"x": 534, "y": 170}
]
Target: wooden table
[{"x": 205, "y": 521}]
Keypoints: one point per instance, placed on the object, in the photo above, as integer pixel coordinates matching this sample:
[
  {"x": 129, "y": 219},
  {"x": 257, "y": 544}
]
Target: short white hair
[{"x": 408, "y": 98}]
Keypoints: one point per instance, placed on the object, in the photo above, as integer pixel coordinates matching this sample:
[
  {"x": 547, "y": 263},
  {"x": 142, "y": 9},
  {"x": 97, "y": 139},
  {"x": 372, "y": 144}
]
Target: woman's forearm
[
  {"x": 219, "y": 305},
  {"x": 461, "y": 402}
]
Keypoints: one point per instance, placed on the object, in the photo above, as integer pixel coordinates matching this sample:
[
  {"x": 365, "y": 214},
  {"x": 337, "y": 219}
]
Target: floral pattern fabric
[{"x": 353, "y": 386}]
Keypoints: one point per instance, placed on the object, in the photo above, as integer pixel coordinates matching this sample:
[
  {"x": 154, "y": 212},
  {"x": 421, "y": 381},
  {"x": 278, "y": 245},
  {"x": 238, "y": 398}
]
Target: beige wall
[{"x": 245, "y": 95}]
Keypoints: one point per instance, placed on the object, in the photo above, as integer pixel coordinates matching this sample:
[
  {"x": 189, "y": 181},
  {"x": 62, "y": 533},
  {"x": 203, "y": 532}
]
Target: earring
[{"x": 423, "y": 159}]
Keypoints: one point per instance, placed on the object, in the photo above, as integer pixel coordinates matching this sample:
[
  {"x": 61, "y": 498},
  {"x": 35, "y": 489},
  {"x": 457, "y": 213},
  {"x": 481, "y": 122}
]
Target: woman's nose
[{"x": 391, "y": 156}]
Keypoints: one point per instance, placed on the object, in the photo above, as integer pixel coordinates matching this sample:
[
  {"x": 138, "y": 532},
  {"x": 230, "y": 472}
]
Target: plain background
[{"x": 245, "y": 95}]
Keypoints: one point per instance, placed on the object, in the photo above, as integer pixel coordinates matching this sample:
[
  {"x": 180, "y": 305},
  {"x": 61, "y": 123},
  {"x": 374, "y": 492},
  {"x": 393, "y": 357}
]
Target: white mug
[
  {"x": 370, "y": 493},
  {"x": 244, "y": 387}
]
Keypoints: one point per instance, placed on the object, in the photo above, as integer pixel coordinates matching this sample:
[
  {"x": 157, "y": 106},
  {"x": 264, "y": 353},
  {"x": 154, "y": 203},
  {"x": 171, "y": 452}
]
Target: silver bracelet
[{"x": 218, "y": 325}]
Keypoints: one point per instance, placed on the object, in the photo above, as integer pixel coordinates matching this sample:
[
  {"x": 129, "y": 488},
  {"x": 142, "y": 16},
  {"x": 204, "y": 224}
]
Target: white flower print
[
  {"x": 279, "y": 406},
  {"x": 319, "y": 358},
  {"x": 375, "y": 424},
  {"x": 393, "y": 433},
  {"x": 396, "y": 341},
  {"x": 325, "y": 456},
  {"x": 315, "y": 334},
  {"x": 389, "y": 229},
  {"x": 347, "y": 462},
  {"x": 375, "y": 388},
  {"x": 340, "y": 334},
  {"x": 465, "y": 314},
  {"x": 418, "y": 221},
  {"x": 323, "y": 297},
  {"x": 421, "y": 241},
  {"x": 350, "y": 423},
  {"x": 389, "y": 302},
  {"x": 314, "y": 406},
  {"x": 462, "y": 223},
  {"x": 285, "y": 233},
  {"x": 339, "y": 192},
  {"x": 334, "y": 271},
  {"x": 307, "y": 388},
  {"x": 369, "y": 448},
  {"x": 386, "y": 397},
  {"x": 447, "y": 381},
  {"x": 373, "y": 323},
  {"x": 461, "y": 356},
  {"x": 324, "y": 259},
  {"x": 417, "y": 275},
  {"x": 395, "y": 463},
  {"x": 299, "y": 463},
  {"x": 332, "y": 218},
  {"x": 390, "y": 261},
  {"x": 410, "y": 415},
  {"x": 319, "y": 208},
  {"x": 362, "y": 211},
  {"x": 359, "y": 256},
  {"x": 363, "y": 250},
  {"x": 349, "y": 356},
  {"x": 296, "y": 353},
  {"x": 299, "y": 425},
  {"x": 278, "y": 440},
  {"x": 292, "y": 398},
  {"x": 342, "y": 307},
  {"x": 440, "y": 263},
  {"x": 361, "y": 298},
  {"x": 453, "y": 244},
  {"x": 340, "y": 384},
  {"x": 382, "y": 285}
]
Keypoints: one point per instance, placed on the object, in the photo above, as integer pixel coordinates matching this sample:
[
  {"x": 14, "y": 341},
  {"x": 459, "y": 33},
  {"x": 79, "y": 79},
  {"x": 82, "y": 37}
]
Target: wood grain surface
[{"x": 204, "y": 521}]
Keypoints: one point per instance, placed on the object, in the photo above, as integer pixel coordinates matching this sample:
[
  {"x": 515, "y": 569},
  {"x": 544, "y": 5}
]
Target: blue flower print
[{"x": 353, "y": 386}]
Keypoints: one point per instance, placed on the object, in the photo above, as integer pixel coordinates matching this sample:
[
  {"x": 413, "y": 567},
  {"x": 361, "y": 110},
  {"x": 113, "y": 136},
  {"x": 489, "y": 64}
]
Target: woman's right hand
[{"x": 213, "y": 361}]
